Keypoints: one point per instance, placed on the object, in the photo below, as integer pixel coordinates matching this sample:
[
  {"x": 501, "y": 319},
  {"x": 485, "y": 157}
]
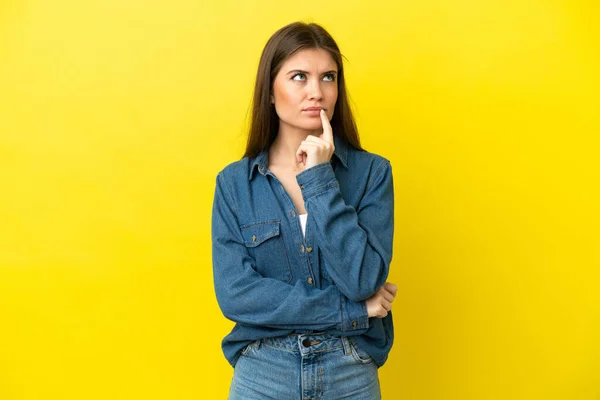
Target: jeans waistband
[{"x": 307, "y": 342}]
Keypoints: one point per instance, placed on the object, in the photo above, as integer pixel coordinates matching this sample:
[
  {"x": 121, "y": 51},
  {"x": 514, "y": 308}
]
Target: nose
[{"x": 314, "y": 90}]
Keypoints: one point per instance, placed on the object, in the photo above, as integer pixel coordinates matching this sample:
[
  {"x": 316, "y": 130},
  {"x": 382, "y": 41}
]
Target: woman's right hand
[{"x": 380, "y": 303}]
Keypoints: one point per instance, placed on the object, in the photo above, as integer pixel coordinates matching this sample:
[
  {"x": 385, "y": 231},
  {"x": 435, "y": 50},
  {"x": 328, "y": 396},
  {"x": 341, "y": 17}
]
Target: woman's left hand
[{"x": 316, "y": 150}]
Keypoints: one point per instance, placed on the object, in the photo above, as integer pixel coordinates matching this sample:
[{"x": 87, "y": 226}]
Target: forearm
[{"x": 355, "y": 244}]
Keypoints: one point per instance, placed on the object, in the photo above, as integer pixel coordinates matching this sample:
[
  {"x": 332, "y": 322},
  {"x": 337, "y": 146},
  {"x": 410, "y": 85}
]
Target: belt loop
[{"x": 346, "y": 344}]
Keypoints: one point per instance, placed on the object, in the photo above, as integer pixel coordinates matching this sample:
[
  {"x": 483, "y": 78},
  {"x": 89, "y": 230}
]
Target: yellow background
[{"x": 115, "y": 117}]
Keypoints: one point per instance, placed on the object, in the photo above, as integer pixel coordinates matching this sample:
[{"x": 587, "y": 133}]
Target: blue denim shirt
[{"x": 272, "y": 281}]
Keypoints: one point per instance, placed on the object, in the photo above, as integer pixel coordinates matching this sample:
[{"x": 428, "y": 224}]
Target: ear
[{"x": 272, "y": 99}]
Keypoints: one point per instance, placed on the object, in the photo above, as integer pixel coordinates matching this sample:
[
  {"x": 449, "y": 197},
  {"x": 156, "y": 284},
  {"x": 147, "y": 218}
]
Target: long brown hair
[{"x": 264, "y": 123}]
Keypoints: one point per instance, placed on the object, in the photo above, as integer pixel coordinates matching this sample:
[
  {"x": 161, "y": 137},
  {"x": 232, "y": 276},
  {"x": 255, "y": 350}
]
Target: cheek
[
  {"x": 286, "y": 96},
  {"x": 333, "y": 93}
]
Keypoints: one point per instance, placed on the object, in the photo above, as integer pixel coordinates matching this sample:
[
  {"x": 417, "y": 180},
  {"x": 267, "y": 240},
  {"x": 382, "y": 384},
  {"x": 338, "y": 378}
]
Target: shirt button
[
  {"x": 254, "y": 238},
  {"x": 302, "y": 249},
  {"x": 293, "y": 213},
  {"x": 310, "y": 280},
  {"x": 309, "y": 249},
  {"x": 302, "y": 187},
  {"x": 262, "y": 169},
  {"x": 354, "y": 324}
]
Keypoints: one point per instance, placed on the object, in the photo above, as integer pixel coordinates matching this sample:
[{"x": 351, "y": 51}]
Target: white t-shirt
[{"x": 303, "y": 222}]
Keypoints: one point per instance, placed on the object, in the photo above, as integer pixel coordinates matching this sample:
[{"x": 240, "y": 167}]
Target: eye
[
  {"x": 299, "y": 77},
  {"x": 329, "y": 77}
]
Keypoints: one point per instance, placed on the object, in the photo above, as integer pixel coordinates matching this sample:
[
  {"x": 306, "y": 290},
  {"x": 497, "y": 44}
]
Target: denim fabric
[
  {"x": 272, "y": 281},
  {"x": 311, "y": 366}
]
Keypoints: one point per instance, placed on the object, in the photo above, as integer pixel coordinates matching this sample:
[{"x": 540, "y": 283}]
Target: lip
[{"x": 313, "y": 112}]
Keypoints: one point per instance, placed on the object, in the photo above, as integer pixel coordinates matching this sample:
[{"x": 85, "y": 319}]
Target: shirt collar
[{"x": 260, "y": 162}]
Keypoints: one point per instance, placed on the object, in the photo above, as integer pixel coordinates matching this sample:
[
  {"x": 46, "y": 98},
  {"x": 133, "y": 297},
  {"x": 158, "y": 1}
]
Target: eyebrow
[{"x": 300, "y": 71}]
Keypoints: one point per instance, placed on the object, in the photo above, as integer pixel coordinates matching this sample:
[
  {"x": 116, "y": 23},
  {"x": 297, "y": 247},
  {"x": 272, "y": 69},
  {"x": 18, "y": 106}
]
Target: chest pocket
[{"x": 265, "y": 245}]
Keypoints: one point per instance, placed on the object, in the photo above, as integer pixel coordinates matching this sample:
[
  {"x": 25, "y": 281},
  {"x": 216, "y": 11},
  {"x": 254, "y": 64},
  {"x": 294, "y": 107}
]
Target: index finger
[{"x": 327, "y": 131}]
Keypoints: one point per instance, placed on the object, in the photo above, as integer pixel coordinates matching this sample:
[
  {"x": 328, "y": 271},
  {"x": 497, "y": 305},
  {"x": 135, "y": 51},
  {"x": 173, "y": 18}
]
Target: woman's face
[{"x": 306, "y": 82}]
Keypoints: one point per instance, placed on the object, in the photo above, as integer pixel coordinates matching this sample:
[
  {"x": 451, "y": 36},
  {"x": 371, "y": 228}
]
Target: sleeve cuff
[
  {"x": 354, "y": 315},
  {"x": 316, "y": 180}
]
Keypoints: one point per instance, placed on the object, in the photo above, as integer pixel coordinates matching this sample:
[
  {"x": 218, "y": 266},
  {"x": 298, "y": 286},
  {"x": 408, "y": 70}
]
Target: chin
[{"x": 311, "y": 126}]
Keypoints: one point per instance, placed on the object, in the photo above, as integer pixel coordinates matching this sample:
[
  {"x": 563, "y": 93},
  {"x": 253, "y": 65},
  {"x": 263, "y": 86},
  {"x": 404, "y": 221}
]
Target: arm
[
  {"x": 247, "y": 297},
  {"x": 358, "y": 264}
]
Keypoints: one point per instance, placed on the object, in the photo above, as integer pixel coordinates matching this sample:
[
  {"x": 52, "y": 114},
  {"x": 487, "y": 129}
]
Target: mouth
[{"x": 312, "y": 112}]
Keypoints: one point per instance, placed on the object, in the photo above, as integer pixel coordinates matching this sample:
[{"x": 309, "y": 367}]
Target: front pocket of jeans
[
  {"x": 265, "y": 245},
  {"x": 249, "y": 347},
  {"x": 246, "y": 349},
  {"x": 358, "y": 354}
]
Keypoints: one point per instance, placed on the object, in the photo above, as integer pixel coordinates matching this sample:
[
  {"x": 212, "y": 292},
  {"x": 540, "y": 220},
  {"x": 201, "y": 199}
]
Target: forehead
[{"x": 310, "y": 60}]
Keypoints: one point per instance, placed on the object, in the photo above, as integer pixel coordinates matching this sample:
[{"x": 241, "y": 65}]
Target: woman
[{"x": 302, "y": 234}]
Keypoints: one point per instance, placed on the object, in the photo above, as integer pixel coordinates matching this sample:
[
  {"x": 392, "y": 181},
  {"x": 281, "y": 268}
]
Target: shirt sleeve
[
  {"x": 247, "y": 297},
  {"x": 355, "y": 243}
]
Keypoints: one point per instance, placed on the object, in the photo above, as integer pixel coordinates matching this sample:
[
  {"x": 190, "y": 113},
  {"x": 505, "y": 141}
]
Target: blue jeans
[{"x": 315, "y": 366}]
